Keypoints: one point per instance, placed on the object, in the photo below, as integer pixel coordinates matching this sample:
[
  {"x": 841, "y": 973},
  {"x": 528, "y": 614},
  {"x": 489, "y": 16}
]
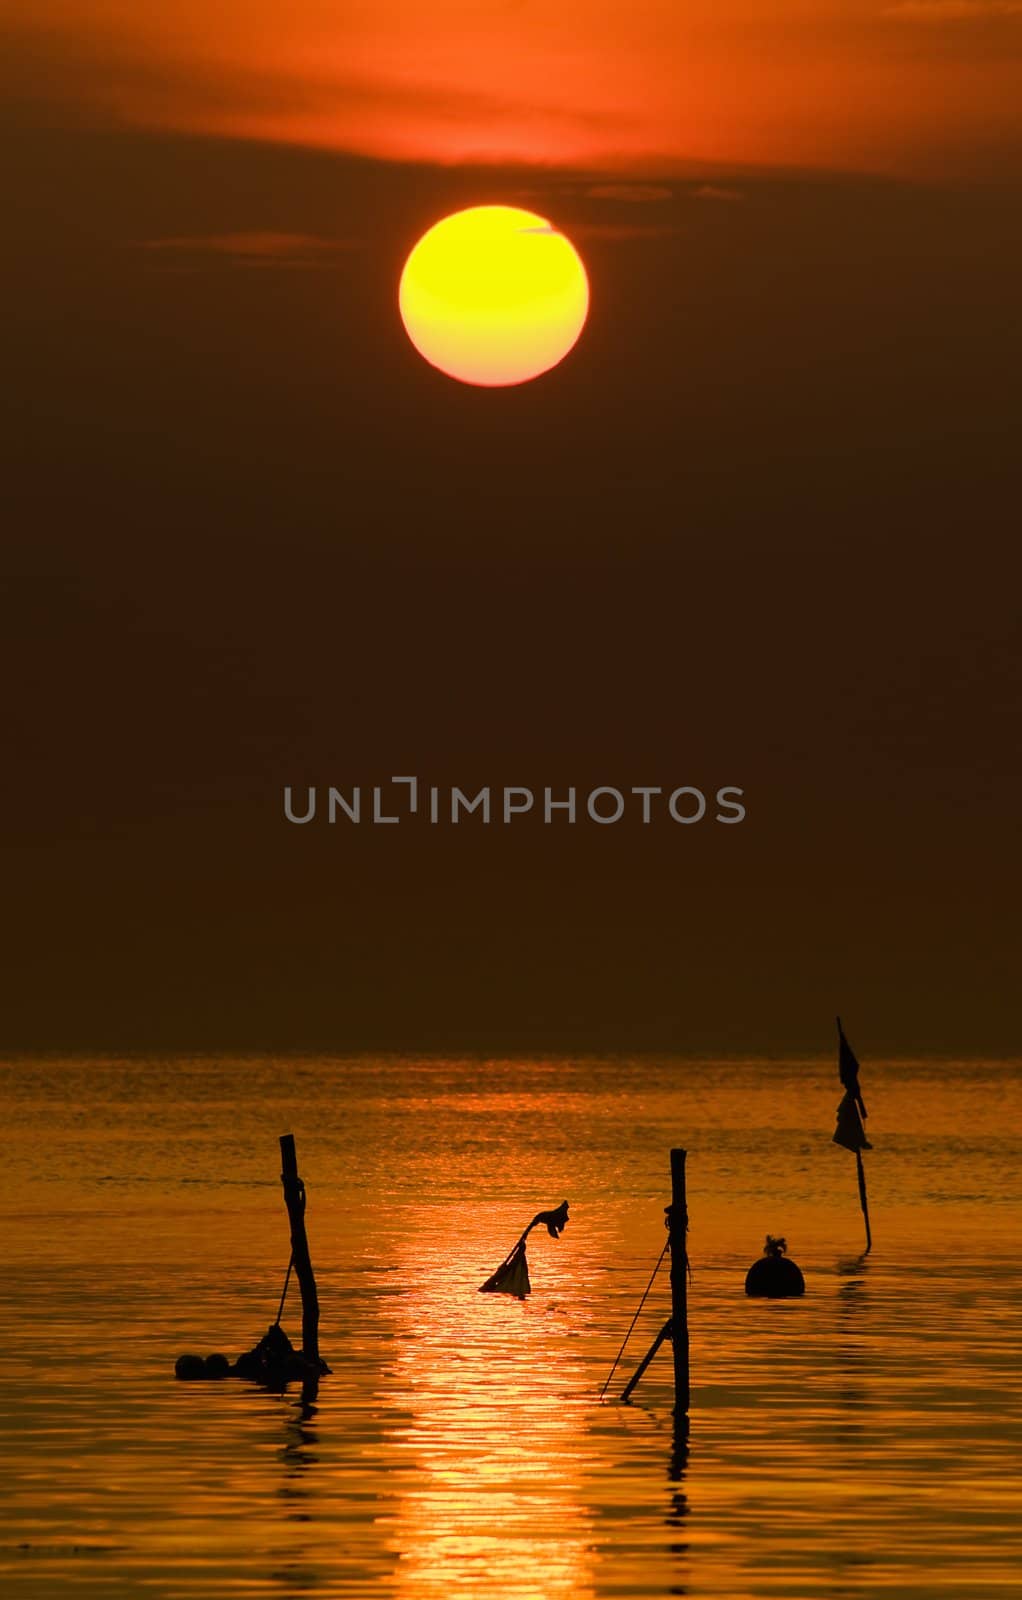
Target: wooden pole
[
  {"x": 294, "y": 1199},
  {"x": 862, "y": 1200},
  {"x": 678, "y": 1228}
]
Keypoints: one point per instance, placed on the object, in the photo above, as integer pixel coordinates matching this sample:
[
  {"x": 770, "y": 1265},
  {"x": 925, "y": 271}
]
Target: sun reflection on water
[{"x": 493, "y": 1432}]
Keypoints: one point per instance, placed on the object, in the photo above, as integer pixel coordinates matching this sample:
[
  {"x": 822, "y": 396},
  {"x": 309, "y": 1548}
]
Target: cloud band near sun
[{"x": 651, "y": 89}]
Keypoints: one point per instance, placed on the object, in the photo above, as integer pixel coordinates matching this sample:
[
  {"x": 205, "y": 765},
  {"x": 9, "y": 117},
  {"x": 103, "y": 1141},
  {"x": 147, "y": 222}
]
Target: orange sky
[{"x": 890, "y": 85}]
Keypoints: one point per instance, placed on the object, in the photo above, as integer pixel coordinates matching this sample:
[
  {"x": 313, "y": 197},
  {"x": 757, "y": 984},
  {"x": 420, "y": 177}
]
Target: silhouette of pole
[
  {"x": 862, "y": 1200},
  {"x": 851, "y": 1120},
  {"x": 294, "y": 1199},
  {"x": 677, "y": 1229},
  {"x": 676, "y": 1326}
]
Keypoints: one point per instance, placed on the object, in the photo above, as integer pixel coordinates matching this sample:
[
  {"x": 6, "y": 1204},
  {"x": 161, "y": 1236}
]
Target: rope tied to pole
[
  {"x": 283, "y": 1297},
  {"x": 642, "y": 1302},
  {"x": 667, "y": 1225}
]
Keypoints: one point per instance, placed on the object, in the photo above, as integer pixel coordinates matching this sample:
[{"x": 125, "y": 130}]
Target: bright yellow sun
[{"x": 494, "y": 295}]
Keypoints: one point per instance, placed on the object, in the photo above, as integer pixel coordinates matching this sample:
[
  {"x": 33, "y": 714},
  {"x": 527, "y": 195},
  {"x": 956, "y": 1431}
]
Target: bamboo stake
[
  {"x": 678, "y": 1228},
  {"x": 665, "y": 1333},
  {"x": 862, "y": 1200},
  {"x": 294, "y": 1199},
  {"x": 676, "y": 1326}
]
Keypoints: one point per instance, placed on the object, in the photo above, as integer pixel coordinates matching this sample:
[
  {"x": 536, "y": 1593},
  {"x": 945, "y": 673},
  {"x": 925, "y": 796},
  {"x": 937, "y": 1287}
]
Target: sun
[{"x": 494, "y": 296}]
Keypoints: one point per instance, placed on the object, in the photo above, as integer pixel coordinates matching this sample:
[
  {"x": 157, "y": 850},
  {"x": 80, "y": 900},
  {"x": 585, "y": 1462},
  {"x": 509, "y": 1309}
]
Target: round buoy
[
  {"x": 774, "y": 1275},
  {"x": 189, "y": 1367}
]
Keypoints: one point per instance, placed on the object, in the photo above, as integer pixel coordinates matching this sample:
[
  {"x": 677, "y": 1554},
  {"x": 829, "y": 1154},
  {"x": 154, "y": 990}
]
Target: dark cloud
[
  {"x": 253, "y": 249},
  {"x": 615, "y": 231},
  {"x": 631, "y": 193}
]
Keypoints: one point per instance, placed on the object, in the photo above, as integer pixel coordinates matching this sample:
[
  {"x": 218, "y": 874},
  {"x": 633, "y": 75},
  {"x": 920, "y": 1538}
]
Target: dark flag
[
  {"x": 848, "y": 1069},
  {"x": 849, "y": 1132},
  {"x": 512, "y": 1276}
]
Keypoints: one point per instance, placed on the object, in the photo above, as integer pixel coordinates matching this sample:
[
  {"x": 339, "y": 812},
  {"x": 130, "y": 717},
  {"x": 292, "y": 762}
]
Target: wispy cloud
[
  {"x": 631, "y": 193},
  {"x": 257, "y": 249},
  {"x": 715, "y": 191},
  {"x": 615, "y": 232}
]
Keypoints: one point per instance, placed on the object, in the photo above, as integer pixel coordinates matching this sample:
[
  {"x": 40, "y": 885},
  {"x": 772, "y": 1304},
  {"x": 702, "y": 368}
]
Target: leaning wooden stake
[
  {"x": 678, "y": 1228},
  {"x": 665, "y": 1333},
  {"x": 294, "y": 1199}
]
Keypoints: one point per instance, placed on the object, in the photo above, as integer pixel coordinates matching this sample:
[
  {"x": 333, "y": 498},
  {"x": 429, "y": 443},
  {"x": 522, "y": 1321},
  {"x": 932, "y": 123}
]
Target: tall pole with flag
[{"x": 851, "y": 1115}]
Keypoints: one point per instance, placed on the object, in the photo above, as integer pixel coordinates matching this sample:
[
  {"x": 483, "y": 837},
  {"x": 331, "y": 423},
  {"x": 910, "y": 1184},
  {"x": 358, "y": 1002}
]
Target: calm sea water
[{"x": 861, "y": 1441}]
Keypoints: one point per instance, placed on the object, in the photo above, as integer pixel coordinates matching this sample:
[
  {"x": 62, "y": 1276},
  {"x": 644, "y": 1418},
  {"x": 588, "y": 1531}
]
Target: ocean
[{"x": 863, "y": 1440}]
